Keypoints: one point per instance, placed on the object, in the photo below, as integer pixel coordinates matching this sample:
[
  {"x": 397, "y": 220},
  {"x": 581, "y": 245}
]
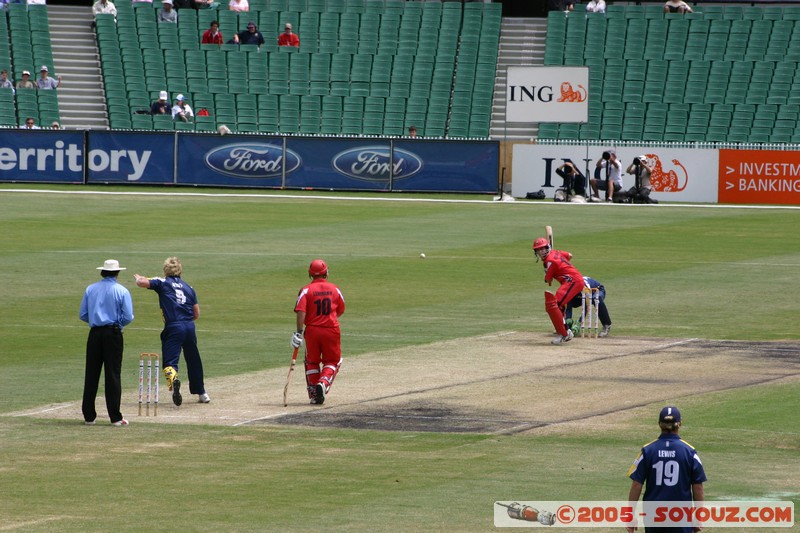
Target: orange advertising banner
[{"x": 759, "y": 177}]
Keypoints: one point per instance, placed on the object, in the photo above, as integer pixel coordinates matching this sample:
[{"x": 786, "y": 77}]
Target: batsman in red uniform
[
  {"x": 318, "y": 307},
  {"x": 557, "y": 266}
]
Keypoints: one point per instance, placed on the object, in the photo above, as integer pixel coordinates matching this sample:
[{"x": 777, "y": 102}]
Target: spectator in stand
[
  {"x": 677, "y": 6},
  {"x": 412, "y": 131},
  {"x": 55, "y": 125},
  {"x": 6, "y": 83},
  {"x": 160, "y": 106},
  {"x": 560, "y": 5},
  {"x": 249, "y": 36},
  {"x": 287, "y": 38},
  {"x": 166, "y": 13},
  {"x": 596, "y": 6},
  {"x": 45, "y": 82},
  {"x": 30, "y": 124},
  {"x": 25, "y": 82},
  {"x": 239, "y": 5},
  {"x": 212, "y": 35},
  {"x": 181, "y": 110},
  {"x": 104, "y": 7}
]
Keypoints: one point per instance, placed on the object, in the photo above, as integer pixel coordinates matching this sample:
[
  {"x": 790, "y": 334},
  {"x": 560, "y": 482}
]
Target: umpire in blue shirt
[
  {"x": 107, "y": 307},
  {"x": 669, "y": 469}
]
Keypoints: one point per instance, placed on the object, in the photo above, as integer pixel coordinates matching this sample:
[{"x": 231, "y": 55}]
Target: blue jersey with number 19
[
  {"x": 175, "y": 297},
  {"x": 668, "y": 467}
]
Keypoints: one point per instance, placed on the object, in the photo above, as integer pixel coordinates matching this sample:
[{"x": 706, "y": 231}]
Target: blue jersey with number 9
[
  {"x": 175, "y": 297},
  {"x": 668, "y": 467}
]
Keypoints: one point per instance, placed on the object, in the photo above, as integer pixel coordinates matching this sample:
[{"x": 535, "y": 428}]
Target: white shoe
[
  {"x": 606, "y": 331},
  {"x": 120, "y": 423},
  {"x": 565, "y": 338},
  {"x": 204, "y": 398}
]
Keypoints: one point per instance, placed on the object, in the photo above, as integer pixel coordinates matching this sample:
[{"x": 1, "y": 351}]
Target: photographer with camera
[
  {"x": 640, "y": 193},
  {"x": 613, "y": 176},
  {"x": 574, "y": 181}
]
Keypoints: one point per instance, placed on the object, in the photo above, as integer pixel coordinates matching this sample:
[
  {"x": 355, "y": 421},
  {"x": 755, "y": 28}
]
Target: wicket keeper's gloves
[{"x": 297, "y": 339}]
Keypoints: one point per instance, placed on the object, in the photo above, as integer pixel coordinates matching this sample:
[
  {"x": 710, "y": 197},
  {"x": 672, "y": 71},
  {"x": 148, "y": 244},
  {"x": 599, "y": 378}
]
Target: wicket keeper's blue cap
[{"x": 669, "y": 414}]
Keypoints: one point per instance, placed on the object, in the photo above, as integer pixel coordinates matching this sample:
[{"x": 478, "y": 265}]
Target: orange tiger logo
[
  {"x": 661, "y": 181},
  {"x": 568, "y": 94}
]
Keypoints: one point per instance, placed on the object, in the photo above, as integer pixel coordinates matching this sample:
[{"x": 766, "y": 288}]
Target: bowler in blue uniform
[
  {"x": 179, "y": 309},
  {"x": 668, "y": 468}
]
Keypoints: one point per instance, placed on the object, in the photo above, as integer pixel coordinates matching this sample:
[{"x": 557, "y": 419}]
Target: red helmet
[
  {"x": 541, "y": 242},
  {"x": 318, "y": 268}
]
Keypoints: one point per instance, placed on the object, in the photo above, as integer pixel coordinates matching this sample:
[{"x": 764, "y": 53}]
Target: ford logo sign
[
  {"x": 372, "y": 163},
  {"x": 252, "y": 160}
]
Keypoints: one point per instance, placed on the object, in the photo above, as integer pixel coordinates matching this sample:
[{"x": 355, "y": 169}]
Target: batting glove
[{"x": 297, "y": 339}]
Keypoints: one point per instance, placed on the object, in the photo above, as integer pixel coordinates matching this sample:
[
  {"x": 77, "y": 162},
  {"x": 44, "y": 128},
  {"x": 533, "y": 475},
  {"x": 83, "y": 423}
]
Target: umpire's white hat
[{"x": 111, "y": 265}]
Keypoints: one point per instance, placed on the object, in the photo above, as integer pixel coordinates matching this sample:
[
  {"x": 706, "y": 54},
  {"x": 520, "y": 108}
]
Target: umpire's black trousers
[{"x": 103, "y": 348}]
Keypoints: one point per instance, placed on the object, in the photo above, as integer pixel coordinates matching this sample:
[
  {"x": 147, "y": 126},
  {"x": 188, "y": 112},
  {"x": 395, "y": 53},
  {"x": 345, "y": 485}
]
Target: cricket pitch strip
[{"x": 509, "y": 382}]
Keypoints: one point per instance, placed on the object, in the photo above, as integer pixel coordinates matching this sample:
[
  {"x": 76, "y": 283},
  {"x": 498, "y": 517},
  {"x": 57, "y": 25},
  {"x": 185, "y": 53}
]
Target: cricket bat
[
  {"x": 289, "y": 378},
  {"x": 549, "y": 231}
]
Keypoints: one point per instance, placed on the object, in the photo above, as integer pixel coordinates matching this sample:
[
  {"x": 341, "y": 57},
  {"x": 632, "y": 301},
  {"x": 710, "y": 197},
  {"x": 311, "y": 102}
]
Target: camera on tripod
[
  {"x": 637, "y": 162},
  {"x": 606, "y": 155}
]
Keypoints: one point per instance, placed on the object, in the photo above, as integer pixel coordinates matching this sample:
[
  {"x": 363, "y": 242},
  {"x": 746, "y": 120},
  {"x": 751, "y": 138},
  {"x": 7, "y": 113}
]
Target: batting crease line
[{"x": 41, "y": 411}]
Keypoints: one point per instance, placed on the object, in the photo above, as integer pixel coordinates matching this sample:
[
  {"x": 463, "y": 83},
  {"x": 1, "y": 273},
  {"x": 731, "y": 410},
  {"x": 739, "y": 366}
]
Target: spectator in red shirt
[
  {"x": 287, "y": 38},
  {"x": 212, "y": 35}
]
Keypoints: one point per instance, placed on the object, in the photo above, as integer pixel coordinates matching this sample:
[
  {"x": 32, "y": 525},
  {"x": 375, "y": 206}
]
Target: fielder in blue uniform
[
  {"x": 179, "y": 309},
  {"x": 602, "y": 310},
  {"x": 669, "y": 469}
]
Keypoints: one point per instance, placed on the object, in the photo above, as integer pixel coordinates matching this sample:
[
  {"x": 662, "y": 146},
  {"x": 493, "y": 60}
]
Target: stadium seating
[
  {"x": 29, "y": 31},
  {"x": 724, "y": 74},
  {"x": 428, "y": 64}
]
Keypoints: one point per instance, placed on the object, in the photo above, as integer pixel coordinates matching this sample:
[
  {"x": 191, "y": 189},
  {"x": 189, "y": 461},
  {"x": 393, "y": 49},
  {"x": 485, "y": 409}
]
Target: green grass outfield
[{"x": 671, "y": 271}]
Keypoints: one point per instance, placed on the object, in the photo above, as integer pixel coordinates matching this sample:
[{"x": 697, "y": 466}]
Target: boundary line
[{"x": 273, "y": 196}]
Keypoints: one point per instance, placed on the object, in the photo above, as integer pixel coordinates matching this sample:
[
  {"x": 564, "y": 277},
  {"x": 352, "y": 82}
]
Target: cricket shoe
[
  {"x": 606, "y": 331},
  {"x": 319, "y": 393},
  {"x": 120, "y": 423},
  {"x": 177, "y": 399},
  {"x": 204, "y": 398},
  {"x": 170, "y": 373},
  {"x": 565, "y": 338}
]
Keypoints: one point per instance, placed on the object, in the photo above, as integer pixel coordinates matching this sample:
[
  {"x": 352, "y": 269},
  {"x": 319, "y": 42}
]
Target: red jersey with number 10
[
  {"x": 322, "y": 303},
  {"x": 557, "y": 266}
]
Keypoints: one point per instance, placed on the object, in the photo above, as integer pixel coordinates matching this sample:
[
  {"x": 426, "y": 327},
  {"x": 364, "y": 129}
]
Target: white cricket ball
[{"x": 422, "y": 256}]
